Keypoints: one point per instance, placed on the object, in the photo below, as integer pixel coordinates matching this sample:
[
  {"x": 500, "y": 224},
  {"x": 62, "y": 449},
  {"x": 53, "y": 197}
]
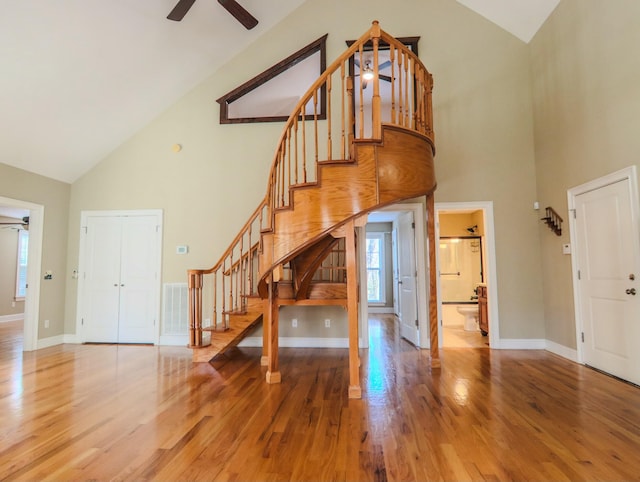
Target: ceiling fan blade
[
  {"x": 180, "y": 10},
  {"x": 357, "y": 62},
  {"x": 240, "y": 14},
  {"x": 385, "y": 77},
  {"x": 384, "y": 65}
]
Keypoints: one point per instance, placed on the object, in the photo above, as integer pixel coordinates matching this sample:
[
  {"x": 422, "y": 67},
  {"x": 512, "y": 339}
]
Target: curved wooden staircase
[{"x": 374, "y": 148}]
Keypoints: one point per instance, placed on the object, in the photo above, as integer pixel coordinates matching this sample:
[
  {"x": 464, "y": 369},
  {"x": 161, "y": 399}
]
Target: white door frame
[
  {"x": 34, "y": 265},
  {"x": 490, "y": 276},
  {"x": 628, "y": 174},
  {"x": 419, "y": 217},
  {"x": 82, "y": 260}
]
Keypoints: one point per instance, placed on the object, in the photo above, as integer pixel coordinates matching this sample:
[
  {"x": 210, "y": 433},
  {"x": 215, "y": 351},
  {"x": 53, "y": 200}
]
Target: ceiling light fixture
[{"x": 367, "y": 74}]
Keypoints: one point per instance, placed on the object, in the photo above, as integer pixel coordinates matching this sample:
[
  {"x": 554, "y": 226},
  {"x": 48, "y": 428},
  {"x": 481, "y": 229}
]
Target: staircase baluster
[
  {"x": 400, "y": 97},
  {"x": 329, "y": 141},
  {"x": 214, "y": 316},
  {"x": 224, "y": 292},
  {"x": 361, "y": 93},
  {"x": 343, "y": 144},
  {"x": 304, "y": 146},
  {"x": 407, "y": 105},
  {"x": 295, "y": 145},
  {"x": 376, "y": 129},
  {"x": 393, "y": 83},
  {"x": 251, "y": 259},
  {"x": 315, "y": 126}
]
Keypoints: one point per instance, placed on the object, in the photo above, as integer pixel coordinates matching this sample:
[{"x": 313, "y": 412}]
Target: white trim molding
[
  {"x": 14, "y": 317},
  {"x": 520, "y": 344},
  {"x": 563, "y": 351}
]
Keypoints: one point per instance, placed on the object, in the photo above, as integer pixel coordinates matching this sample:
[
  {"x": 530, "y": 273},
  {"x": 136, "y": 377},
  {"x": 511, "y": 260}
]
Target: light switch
[
  {"x": 182, "y": 249},
  {"x": 566, "y": 248}
]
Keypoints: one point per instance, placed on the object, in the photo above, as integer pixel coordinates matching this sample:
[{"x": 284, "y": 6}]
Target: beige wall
[
  {"x": 484, "y": 133},
  {"x": 586, "y": 95},
  {"x": 54, "y": 196}
]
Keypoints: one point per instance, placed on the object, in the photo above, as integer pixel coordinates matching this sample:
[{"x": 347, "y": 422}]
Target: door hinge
[
  {"x": 574, "y": 213},
  {"x": 582, "y": 336},
  {"x": 157, "y": 228},
  {"x": 579, "y": 277},
  {"x": 86, "y": 229},
  {"x": 82, "y": 321},
  {"x": 413, "y": 225},
  {"x": 416, "y": 323}
]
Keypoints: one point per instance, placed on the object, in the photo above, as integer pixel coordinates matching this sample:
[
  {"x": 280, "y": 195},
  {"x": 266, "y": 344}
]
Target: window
[
  {"x": 21, "y": 269},
  {"x": 375, "y": 268}
]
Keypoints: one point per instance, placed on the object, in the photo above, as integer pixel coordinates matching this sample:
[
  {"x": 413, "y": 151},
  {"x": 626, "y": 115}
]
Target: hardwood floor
[{"x": 108, "y": 412}]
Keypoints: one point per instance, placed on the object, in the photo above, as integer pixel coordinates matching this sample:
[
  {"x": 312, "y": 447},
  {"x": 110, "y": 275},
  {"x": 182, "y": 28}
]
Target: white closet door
[
  {"x": 138, "y": 279},
  {"x": 120, "y": 268},
  {"x": 102, "y": 279}
]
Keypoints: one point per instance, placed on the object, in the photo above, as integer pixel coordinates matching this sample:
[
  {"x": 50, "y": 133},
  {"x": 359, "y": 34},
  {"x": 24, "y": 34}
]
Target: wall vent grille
[{"x": 175, "y": 311}]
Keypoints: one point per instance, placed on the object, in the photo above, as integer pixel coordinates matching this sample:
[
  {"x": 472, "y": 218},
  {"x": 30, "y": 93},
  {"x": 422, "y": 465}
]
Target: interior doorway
[
  {"x": 19, "y": 209},
  {"x": 408, "y": 245},
  {"x": 467, "y": 290}
]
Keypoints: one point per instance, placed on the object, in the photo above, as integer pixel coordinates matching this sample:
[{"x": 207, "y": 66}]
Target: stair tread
[{"x": 240, "y": 325}]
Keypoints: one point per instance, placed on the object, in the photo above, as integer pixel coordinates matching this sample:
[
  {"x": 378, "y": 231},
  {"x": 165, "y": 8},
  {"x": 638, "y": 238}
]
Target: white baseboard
[
  {"x": 521, "y": 344},
  {"x": 563, "y": 351},
  {"x": 174, "y": 340},
  {"x": 51, "y": 341},
  {"x": 380, "y": 309},
  {"x": 299, "y": 342},
  {"x": 14, "y": 317}
]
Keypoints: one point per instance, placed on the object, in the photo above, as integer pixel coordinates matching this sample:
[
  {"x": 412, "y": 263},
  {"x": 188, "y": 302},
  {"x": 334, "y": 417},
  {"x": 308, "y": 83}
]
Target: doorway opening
[
  {"x": 465, "y": 259},
  {"x": 15, "y": 208},
  {"x": 401, "y": 229}
]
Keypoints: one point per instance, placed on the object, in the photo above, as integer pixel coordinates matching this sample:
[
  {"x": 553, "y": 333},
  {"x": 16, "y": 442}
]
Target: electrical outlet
[
  {"x": 46, "y": 323},
  {"x": 327, "y": 323},
  {"x": 294, "y": 323},
  {"x": 13, "y": 304}
]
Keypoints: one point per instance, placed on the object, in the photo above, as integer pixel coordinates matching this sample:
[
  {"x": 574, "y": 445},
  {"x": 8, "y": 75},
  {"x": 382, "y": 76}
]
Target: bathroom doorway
[{"x": 465, "y": 264}]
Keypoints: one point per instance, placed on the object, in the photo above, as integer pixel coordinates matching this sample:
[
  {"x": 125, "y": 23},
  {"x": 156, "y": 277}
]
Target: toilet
[{"x": 470, "y": 313}]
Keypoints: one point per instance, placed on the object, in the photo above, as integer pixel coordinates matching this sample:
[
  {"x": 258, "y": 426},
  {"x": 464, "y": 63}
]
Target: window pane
[
  {"x": 21, "y": 272},
  {"x": 373, "y": 285}
]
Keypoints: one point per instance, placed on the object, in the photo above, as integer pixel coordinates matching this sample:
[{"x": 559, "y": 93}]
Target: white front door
[
  {"x": 408, "y": 302},
  {"x": 608, "y": 263},
  {"x": 120, "y": 269}
]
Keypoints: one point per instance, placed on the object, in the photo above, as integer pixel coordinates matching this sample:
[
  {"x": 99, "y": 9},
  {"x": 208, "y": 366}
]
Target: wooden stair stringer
[{"x": 240, "y": 325}]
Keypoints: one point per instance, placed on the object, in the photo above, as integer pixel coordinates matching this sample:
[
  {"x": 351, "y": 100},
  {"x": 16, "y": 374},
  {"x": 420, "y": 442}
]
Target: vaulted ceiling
[{"x": 79, "y": 77}]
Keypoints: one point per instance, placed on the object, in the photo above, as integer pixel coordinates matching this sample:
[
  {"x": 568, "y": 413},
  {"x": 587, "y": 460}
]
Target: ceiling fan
[
  {"x": 17, "y": 224},
  {"x": 233, "y": 7},
  {"x": 367, "y": 71}
]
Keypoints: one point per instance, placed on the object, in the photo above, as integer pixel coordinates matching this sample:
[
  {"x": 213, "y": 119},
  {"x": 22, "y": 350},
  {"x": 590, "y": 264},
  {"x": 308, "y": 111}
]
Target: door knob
[{"x": 631, "y": 291}]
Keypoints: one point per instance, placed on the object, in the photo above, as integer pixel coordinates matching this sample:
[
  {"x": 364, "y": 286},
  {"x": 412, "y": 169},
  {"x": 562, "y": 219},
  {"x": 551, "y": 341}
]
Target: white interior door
[
  {"x": 138, "y": 279},
  {"x": 608, "y": 263},
  {"x": 101, "y": 279},
  {"x": 408, "y": 301},
  {"x": 120, "y": 269}
]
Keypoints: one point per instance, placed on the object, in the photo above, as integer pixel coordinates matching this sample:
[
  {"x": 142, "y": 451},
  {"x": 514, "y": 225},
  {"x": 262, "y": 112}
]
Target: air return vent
[{"x": 175, "y": 319}]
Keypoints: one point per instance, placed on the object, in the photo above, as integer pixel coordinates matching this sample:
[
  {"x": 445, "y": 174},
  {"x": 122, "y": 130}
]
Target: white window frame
[
  {"x": 381, "y": 269},
  {"x": 21, "y": 291}
]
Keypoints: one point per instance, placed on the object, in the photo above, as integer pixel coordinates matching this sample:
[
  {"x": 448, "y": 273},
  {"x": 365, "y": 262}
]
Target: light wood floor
[{"x": 75, "y": 412}]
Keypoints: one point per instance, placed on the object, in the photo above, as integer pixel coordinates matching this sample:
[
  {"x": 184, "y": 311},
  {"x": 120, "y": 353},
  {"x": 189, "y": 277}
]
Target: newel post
[{"x": 195, "y": 308}]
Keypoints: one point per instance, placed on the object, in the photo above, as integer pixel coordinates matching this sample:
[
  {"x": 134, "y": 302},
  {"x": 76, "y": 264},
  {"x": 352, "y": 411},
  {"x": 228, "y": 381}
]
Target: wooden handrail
[{"x": 297, "y": 156}]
